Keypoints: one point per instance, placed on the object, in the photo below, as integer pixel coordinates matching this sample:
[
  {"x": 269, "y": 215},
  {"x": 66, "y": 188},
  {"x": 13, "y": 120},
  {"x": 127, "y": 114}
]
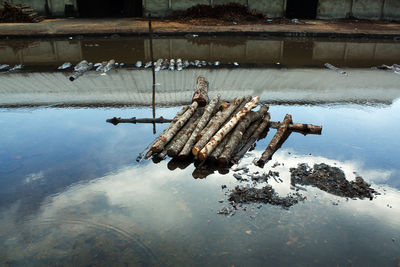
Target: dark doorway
[
  {"x": 301, "y": 9},
  {"x": 109, "y": 8}
]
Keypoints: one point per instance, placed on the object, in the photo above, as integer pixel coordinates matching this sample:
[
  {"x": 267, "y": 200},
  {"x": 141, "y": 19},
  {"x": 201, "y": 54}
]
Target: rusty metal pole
[{"x": 153, "y": 72}]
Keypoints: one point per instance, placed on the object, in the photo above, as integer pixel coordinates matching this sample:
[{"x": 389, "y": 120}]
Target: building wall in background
[{"x": 327, "y": 9}]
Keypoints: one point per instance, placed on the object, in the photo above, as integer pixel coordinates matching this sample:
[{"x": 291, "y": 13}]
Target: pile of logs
[
  {"x": 220, "y": 133},
  {"x": 18, "y": 13}
]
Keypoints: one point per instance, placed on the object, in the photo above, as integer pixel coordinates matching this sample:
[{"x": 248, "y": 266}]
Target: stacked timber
[
  {"x": 18, "y": 13},
  {"x": 217, "y": 133}
]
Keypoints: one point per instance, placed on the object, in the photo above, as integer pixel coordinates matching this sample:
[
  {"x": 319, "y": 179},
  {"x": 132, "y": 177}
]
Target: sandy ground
[{"x": 132, "y": 26}]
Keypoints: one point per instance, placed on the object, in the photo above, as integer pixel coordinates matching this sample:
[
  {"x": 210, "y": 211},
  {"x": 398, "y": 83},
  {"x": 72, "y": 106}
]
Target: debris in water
[
  {"x": 265, "y": 195},
  {"x": 110, "y": 64},
  {"x": 148, "y": 64},
  {"x": 171, "y": 65},
  {"x": 179, "y": 65},
  {"x": 81, "y": 65},
  {"x": 235, "y": 64},
  {"x": 158, "y": 65},
  {"x": 331, "y": 67},
  {"x": 331, "y": 180},
  {"x": 64, "y": 66},
  {"x": 138, "y": 64},
  {"x": 4, "y": 66}
]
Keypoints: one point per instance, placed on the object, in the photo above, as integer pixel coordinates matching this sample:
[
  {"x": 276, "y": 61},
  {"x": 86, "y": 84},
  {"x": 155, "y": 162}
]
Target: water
[{"x": 71, "y": 192}]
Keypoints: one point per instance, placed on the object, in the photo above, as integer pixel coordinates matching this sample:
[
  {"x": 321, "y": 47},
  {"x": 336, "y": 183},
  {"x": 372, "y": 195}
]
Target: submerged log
[
  {"x": 165, "y": 137},
  {"x": 300, "y": 127},
  {"x": 238, "y": 133},
  {"x": 214, "y": 125},
  {"x": 201, "y": 94},
  {"x": 177, "y": 143},
  {"x": 217, "y": 138},
  {"x": 149, "y": 153},
  {"x": 186, "y": 150},
  {"x": 280, "y": 136},
  {"x": 253, "y": 138},
  {"x": 116, "y": 120}
]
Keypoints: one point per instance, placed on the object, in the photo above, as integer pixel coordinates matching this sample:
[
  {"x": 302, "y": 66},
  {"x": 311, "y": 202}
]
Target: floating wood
[
  {"x": 187, "y": 149},
  {"x": 237, "y": 134},
  {"x": 300, "y": 127},
  {"x": 149, "y": 153},
  {"x": 216, "y": 139},
  {"x": 280, "y": 136},
  {"x": 134, "y": 120},
  {"x": 201, "y": 94},
  {"x": 168, "y": 135},
  {"x": 214, "y": 125},
  {"x": 176, "y": 145}
]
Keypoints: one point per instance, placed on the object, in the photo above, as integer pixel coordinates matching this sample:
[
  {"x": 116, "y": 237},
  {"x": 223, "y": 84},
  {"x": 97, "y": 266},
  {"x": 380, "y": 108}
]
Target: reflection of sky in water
[{"x": 71, "y": 191}]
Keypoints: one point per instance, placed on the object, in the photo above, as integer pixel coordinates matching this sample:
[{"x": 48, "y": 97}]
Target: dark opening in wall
[
  {"x": 109, "y": 8},
  {"x": 304, "y": 9}
]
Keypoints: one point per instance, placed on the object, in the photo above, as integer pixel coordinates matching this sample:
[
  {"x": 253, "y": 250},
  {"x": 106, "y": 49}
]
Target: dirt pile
[
  {"x": 233, "y": 12},
  {"x": 331, "y": 180},
  {"x": 265, "y": 195},
  {"x": 18, "y": 13}
]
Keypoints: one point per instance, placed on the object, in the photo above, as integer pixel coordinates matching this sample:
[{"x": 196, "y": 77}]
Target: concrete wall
[
  {"x": 333, "y": 9},
  {"x": 327, "y": 9},
  {"x": 362, "y": 9},
  {"x": 56, "y": 7}
]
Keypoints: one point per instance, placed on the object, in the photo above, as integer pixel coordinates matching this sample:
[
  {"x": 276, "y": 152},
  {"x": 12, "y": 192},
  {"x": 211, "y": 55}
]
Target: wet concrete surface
[{"x": 131, "y": 26}]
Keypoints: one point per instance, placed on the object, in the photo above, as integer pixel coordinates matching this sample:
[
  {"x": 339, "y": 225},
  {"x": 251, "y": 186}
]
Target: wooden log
[
  {"x": 215, "y": 124},
  {"x": 116, "y": 120},
  {"x": 168, "y": 135},
  {"x": 186, "y": 150},
  {"x": 225, "y": 114},
  {"x": 217, "y": 138},
  {"x": 237, "y": 134},
  {"x": 280, "y": 136},
  {"x": 176, "y": 145},
  {"x": 201, "y": 94},
  {"x": 220, "y": 148},
  {"x": 254, "y": 137},
  {"x": 300, "y": 127},
  {"x": 148, "y": 151}
]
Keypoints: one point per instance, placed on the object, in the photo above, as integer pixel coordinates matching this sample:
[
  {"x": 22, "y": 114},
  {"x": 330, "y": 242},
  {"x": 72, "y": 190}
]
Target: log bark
[
  {"x": 214, "y": 125},
  {"x": 168, "y": 135},
  {"x": 300, "y": 127},
  {"x": 217, "y": 138},
  {"x": 280, "y": 136},
  {"x": 253, "y": 138},
  {"x": 201, "y": 94},
  {"x": 176, "y": 139},
  {"x": 179, "y": 141},
  {"x": 220, "y": 148},
  {"x": 228, "y": 110},
  {"x": 186, "y": 150},
  {"x": 116, "y": 120},
  {"x": 238, "y": 133},
  {"x": 149, "y": 153}
]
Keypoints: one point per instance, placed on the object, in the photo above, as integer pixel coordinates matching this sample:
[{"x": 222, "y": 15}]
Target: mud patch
[{"x": 331, "y": 180}]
